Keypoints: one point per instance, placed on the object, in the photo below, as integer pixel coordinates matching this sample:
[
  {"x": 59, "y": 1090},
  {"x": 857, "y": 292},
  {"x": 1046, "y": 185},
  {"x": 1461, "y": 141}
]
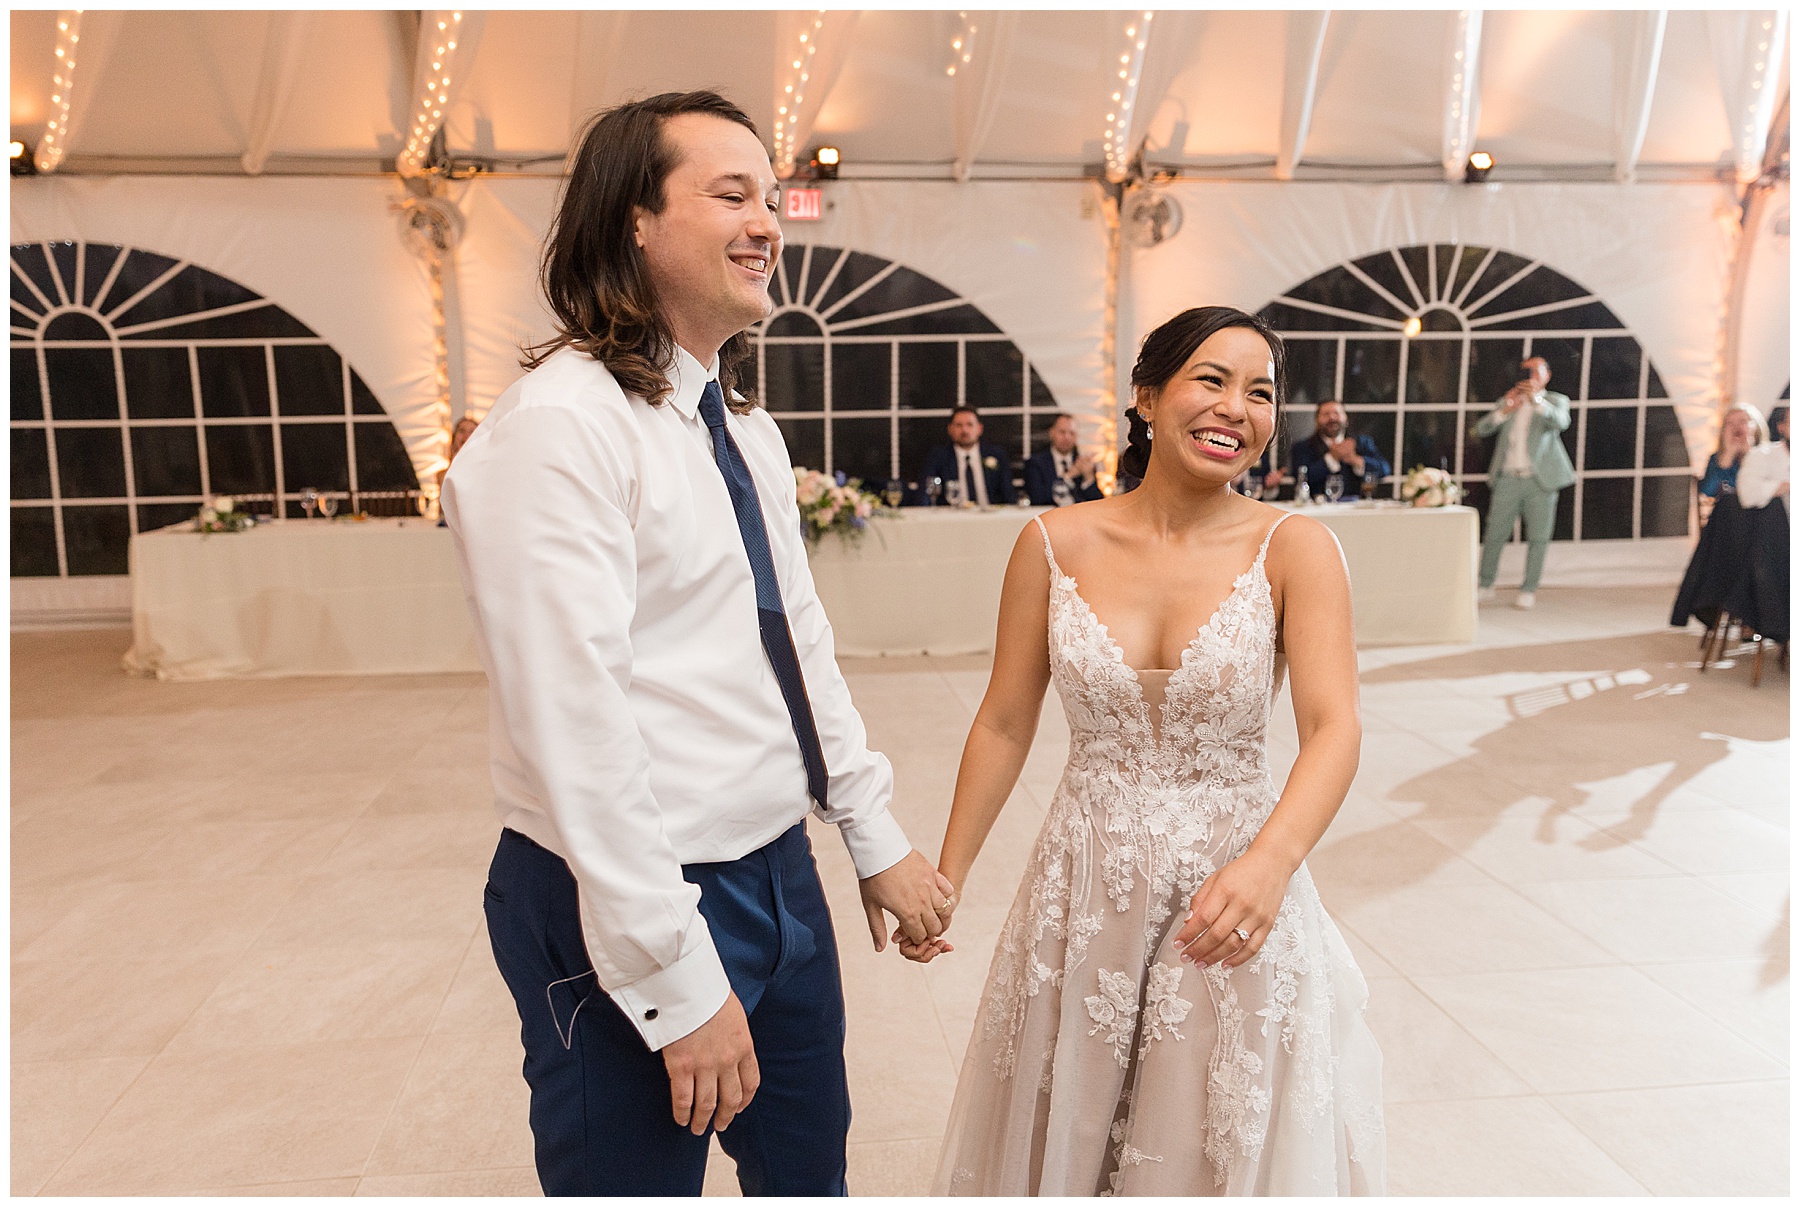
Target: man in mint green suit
[{"x": 1530, "y": 466}]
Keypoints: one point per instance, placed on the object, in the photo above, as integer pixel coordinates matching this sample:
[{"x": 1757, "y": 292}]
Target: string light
[
  {"x": 962, "y": 46},
  {"x": 434, "y": 97},
  {"x": 54, "y": 143},
  {"x": 793, "y": 96},
  {"x": 1457, "y": 132},
  {"x": 1124, "y": 98},
  {"x": 1757, "y": 110}
]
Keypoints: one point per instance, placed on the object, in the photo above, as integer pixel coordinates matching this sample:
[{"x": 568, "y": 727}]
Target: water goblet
[
  {"x": 1334, "y": 487},
  {"x": 309, "y": 501},
  {"x": 934, "y": 490},
  {"x": 328, "y": 504},
  {"x": 953, "y": 494}
]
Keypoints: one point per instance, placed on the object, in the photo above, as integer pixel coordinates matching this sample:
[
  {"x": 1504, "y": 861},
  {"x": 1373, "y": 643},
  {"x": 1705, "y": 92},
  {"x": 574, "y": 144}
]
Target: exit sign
[{"x": 804, "y": 205}]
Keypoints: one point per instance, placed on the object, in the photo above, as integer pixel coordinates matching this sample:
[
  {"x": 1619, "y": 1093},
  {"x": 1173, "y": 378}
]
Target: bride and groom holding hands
[{"x": 1169, "y": 1009}]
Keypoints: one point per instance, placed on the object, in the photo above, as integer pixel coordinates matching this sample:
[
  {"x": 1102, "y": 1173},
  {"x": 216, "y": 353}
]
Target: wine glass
[
  {"x": 1368, "y": 488},
  {"x": 1334, "y": 487},
  {"x": 894, "y": 492},
  {"x": 934, "y": 490},
  {"x": 327, "y": 504},
  {"x": 309, "y": 501},
  {"x": 953, "y": 493}
]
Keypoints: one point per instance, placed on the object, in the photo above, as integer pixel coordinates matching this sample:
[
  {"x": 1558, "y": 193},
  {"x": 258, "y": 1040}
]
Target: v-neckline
[{"x": 1118, "y": 651}]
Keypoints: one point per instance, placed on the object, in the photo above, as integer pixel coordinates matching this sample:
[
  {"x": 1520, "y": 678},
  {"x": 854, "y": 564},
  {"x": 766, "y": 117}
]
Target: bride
[{"x": 1170, "y": 1010}]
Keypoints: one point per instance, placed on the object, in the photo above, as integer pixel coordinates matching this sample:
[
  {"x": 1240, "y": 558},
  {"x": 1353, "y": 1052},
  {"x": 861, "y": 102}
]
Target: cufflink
[{"x": 650, "y": 1015}]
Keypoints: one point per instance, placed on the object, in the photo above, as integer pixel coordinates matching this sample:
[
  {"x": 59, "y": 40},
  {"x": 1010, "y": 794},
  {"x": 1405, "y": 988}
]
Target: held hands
[
  {"x": 1245, "y": 896},
  {"x": 921, "y": 899},
  {"x": 712, "y": 1071}
]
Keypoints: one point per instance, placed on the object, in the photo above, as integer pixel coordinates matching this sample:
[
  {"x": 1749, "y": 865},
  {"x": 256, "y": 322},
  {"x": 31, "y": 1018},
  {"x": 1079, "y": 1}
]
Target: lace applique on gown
[{"x": 1101, "y": 1063}]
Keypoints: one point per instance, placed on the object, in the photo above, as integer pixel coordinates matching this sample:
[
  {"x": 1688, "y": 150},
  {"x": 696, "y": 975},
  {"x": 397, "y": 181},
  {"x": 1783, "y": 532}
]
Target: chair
[{"x": 1738, "y": 579}]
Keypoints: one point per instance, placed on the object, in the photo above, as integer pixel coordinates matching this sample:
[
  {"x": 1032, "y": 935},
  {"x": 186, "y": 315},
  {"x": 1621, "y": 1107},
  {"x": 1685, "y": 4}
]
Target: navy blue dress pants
[{"x": 600, "y": 1107}]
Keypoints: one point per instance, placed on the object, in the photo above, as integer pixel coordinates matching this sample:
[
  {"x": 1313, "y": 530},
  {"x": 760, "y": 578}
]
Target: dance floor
[{"x": 248, "y": 957}]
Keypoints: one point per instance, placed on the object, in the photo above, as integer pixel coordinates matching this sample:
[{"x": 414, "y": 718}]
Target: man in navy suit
[
  {"x": 1332, "y": 450},
  {"x": 1061, "y": 462},
  {"x": 985, "y": 470}
]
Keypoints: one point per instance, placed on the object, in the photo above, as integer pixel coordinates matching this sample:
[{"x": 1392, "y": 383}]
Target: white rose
[
  {"x": 990, "y": 462},
  {"x": 224, "y": 503}
]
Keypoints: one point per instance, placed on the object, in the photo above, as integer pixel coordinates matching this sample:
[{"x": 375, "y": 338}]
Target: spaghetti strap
[
  {"x": 1264, "y": 551},
  {"x": 1049, "y": 553}
]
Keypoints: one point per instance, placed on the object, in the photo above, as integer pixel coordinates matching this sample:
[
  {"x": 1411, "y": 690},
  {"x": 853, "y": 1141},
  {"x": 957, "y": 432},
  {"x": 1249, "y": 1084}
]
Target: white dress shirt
[
  {"x": 635, "y": 724},
  {"x": 1765, "y": 467},
  {"x": 969, "y": 470},
  {"x": 1518, "y": 436}
]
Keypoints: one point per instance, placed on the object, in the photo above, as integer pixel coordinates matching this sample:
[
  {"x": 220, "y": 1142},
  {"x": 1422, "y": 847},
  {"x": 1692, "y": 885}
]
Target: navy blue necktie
[{"x": 777, "y": 639}]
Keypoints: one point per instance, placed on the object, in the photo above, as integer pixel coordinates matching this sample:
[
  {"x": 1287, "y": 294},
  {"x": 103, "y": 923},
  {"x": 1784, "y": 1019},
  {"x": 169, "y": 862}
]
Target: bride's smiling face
[{"x": 1213, "y": 419}]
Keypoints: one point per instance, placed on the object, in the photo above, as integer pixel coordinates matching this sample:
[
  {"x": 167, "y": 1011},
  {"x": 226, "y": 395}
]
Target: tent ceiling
[{"x": 170, "y": 90}]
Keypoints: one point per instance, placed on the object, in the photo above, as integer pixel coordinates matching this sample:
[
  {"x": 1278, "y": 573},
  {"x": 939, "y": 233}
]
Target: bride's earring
[{"x": 1149, "y": 427}]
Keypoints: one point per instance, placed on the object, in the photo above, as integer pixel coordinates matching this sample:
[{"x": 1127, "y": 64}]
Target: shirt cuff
[
  {"x": 673, "y": 1002},
  {"x": 875, "y": 844}
]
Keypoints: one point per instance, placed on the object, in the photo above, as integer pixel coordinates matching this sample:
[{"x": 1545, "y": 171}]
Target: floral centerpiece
[
  {"x": 220, "y": 514},
  {"x": 1427, "y": 487},
  {"x": 831, "y": 503}
]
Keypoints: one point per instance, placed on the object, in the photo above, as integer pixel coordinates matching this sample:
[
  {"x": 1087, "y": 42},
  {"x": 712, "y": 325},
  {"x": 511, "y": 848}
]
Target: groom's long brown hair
[{"x": 593, "y": 272}]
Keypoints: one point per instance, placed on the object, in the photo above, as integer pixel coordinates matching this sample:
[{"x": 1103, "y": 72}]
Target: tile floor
[{"x": 248, "y": 953}]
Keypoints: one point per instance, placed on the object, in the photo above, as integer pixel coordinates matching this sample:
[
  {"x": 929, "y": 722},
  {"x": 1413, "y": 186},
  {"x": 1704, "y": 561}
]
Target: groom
[{"x": 665, "y": 706}]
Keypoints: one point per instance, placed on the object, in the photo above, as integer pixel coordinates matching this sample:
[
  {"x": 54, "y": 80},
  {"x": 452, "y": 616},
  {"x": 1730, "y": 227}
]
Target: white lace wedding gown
[{"x": 1100, "y": 1062}]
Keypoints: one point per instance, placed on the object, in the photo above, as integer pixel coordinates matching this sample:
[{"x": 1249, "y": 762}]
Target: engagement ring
[{"x": 1239, "y": 932}]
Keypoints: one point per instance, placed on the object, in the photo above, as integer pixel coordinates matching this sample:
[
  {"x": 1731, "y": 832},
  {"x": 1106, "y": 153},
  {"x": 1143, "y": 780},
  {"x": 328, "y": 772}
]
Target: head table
[{"x": 382, "y": 596}]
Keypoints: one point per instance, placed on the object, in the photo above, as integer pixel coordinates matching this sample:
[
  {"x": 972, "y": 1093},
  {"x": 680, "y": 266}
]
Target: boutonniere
[{"x": 990, "y": 463}]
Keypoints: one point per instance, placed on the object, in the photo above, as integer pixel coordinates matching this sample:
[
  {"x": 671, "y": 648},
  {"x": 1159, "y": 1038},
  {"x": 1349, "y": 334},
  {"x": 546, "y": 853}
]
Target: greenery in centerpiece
[
  {"x": 220, "y": 514},
  {"x": 833, "y": 503},
  {"x": 1427, "y": 487}
]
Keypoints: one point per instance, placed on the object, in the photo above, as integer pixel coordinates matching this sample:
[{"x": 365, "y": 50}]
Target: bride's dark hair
[{"x": 1168, "y": 347}]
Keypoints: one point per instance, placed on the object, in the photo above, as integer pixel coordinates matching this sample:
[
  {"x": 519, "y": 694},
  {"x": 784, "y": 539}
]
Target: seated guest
[
  {"x": 1741, "y": 431},
  {"x": 1763, "y": 477},
  {"x": 1332, "y": 450},
  {"x": 985, "y": 470},
  {"x": 1061, "y": 463}
]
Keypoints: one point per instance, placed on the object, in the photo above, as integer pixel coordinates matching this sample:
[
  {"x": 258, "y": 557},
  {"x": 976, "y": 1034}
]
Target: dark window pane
[
  {"x": 1591, "y": 314},
  {"x": 152, "y": 516},
  {"x": 1541, "y": 287},
  {"x": 1041, "y": 397},
  {"x": 1478, "y": 452},
  {"x": 165, "y": 460},
  {"x": 1565, "y": 516},
  {"x": 795, "y": 377},
  {"x": 1430, "y": 440},
  {"x": 90, "y": 463},
  {"x": 30, "y": 464},
  {"x": 958, "y": 320},
  {"x": 100, "y": 257},
  {"x": 993, "y": 375},
  {"x": 139, "y": 270},
  {"x": 1340, "y": 288},
  {"x": 917, "y": 438},
  {"x": 1564, "y": 356},
  {"x": 1569, "y": 434},
  {"x": 64, "y": 254},
  {"x": 1311, "y": 371},
  {"x": 1663, "y": 445},
  {"x": 1613, "y": 372},
  {"x": 157, "y": 383},
  {"x": 1418, "y": 267},
  {"x": 309, "y": 380},
  {"x": 928, "y": 377},
  {"x": 381, "y": 460},
  {"x": 31, "y": 260},
  {"x": 861, "y": 377},
  {"x": 1008, "y": 431},
  {"x": 856, "y": 269},
  {"x": 82, "y": 384},
  {"x": 240, "y": 459},
  {"x": 1611, "y": 438},
  {"x": 1446, "y": 262},
  {"x": 362, "y": 399},
  {"x": 859, "y": 448},
  {"x": 1665, "y": 510},
  {"x": 1433, "y": 367},
  {"x": 1440, "y": 319},
  {"x": 795, "y": 323},
  {"x": 1382, "y": 269},
  {"x": 33, "y": 543},
  {"x": 27, "y": 401},
  {"x": 1040, "y": 428},
  {"x": 1475, "y": 494},
  {"x": 901, "y": 289},
  {"x": 1654, "y": 387},
  {"x": 74, "y": 325},
  {"x": 1493, "y": 369},
  {"x": 234, "y": 382},
  {"x": 98, "y": 539},
  {"x": 805, "y": 441},
  {"x": 1371, "y": 370},
  {"x": 788, "y": 273},
  {"x": 193, "y": 290},
  {"x": 1606, "y": 509},
  {"x": 1499, "y": 270},
  {"x": 1297, "y": 318},
  {"x": 316, "y": 455}
]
